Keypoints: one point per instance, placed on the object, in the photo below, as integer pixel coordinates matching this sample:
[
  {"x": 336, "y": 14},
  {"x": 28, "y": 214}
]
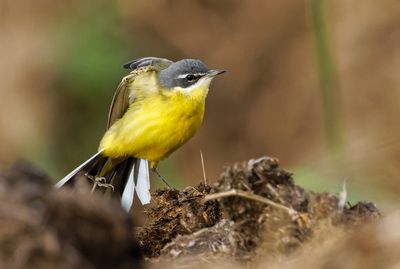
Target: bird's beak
[{"x": 213, "y": 73}]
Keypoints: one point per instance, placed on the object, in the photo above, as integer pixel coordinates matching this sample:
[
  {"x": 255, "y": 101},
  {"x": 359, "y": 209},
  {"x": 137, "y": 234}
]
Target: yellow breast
[{"x": 156, "y": 125}]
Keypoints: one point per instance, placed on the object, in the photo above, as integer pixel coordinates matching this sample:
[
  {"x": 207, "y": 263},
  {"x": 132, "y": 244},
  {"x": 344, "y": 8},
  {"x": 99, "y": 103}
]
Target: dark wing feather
[
  {"x": 120, "y": 101},
  {"x": 158, "y": 63},
  {"x": 123, "y": 96}
]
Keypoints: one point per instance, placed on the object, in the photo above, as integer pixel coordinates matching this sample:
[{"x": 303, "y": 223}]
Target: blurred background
[{"x": 314, "y": 83}]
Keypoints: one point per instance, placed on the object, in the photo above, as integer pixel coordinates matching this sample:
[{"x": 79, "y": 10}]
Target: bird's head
[{"x": 187, "y": 75}]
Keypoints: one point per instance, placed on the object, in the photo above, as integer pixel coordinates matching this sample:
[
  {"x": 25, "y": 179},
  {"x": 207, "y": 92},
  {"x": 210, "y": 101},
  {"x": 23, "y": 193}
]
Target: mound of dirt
[
  {"x": 254, "y": 208},
  {"x": 41, "y": 227},
  {"x": 176, "y": 213},
  {"x": 254, "y": 211}
]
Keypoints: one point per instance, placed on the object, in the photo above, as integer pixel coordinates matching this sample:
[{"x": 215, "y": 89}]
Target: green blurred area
[{"x": 88, "y": 69}]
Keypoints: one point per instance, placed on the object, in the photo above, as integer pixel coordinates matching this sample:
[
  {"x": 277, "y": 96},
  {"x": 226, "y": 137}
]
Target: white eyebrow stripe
[
  {"x": 194, "y": 74},
  {"x": 182, "y": 76}
]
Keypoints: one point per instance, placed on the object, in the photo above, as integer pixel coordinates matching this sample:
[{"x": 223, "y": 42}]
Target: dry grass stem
[
  {"x": 202, "y": 166},
  {"x": 251, "y": 196}
]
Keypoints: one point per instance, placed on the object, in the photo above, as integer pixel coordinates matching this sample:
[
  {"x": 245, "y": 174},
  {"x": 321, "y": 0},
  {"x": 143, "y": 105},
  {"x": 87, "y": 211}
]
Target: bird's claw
[{"x": 100, "y": 182}]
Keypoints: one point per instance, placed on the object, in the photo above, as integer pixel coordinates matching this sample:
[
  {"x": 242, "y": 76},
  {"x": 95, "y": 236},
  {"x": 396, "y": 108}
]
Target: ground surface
[{"x": 255, "y": 214}]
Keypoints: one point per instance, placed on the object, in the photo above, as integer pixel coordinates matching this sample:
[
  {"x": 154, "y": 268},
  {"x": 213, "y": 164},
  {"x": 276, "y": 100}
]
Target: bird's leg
[
  {"x": 99, "y": 181},
  {"x": 155, "y": 169}
]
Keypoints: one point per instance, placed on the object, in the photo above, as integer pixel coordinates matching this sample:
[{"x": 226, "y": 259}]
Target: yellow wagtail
[{"x": 155, "y": 110}]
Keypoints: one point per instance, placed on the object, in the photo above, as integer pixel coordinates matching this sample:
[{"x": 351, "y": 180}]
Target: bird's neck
[{"x": 197, "y": 94}]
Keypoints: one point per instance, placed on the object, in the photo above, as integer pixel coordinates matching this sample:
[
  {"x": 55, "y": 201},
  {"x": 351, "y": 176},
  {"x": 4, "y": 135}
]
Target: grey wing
[
  {"x": 158, "y": 63},
  {"x": 124, "y": 96}
]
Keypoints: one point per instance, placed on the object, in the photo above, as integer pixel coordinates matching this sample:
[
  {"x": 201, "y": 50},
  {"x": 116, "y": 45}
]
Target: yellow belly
[{"x": 154, "y": 127}]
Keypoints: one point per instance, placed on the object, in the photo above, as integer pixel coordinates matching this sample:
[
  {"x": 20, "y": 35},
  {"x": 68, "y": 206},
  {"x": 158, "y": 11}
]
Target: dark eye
[{"x": 190, "y": 77}]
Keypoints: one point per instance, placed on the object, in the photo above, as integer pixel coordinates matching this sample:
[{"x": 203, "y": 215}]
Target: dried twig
[
  {"x": 251, "y": 196},
  {"x": 202, "y": 166}
]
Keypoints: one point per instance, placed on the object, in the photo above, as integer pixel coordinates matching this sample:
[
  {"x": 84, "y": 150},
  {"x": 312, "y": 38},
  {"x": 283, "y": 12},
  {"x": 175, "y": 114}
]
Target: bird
[{"x": 156, "y": 109}]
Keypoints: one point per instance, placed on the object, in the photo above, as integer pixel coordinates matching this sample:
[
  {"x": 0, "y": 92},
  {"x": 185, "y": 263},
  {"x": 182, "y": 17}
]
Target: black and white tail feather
[
  {"x": 139, "y": 181},
  {"x": 129, "y": 176}
]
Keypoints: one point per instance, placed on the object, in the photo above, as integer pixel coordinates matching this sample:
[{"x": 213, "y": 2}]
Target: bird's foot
[{"x": 99, "y": 182}]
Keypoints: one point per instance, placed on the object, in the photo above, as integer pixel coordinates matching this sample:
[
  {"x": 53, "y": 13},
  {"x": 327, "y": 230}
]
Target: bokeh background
[{"x": 314, "y": 83}]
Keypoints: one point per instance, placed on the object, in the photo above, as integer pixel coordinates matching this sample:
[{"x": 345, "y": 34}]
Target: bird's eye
[{"x": 190, "y": 77}]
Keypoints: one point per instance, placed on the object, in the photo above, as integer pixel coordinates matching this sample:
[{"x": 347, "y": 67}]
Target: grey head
[{"x": 185, "y": 73}]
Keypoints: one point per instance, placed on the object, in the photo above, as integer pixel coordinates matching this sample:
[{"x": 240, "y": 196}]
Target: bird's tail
[
  {"x": 84, "y": 167},
  {"x": 139, "y": 180},
  {"x": 125, "y": 177}
]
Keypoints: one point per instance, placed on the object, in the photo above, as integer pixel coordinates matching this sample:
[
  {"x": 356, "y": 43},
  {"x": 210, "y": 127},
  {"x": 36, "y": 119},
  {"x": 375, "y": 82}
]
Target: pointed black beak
[{"x": 213, "y": 73}]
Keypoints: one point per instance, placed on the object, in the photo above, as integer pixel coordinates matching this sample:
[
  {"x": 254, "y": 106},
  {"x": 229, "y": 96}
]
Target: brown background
[{"x": 61, "y": 62}]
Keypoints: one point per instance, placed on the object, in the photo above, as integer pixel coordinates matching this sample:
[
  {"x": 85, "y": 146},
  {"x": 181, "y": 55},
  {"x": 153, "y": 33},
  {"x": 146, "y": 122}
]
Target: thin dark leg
[{"x": 161, "y": 177}]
